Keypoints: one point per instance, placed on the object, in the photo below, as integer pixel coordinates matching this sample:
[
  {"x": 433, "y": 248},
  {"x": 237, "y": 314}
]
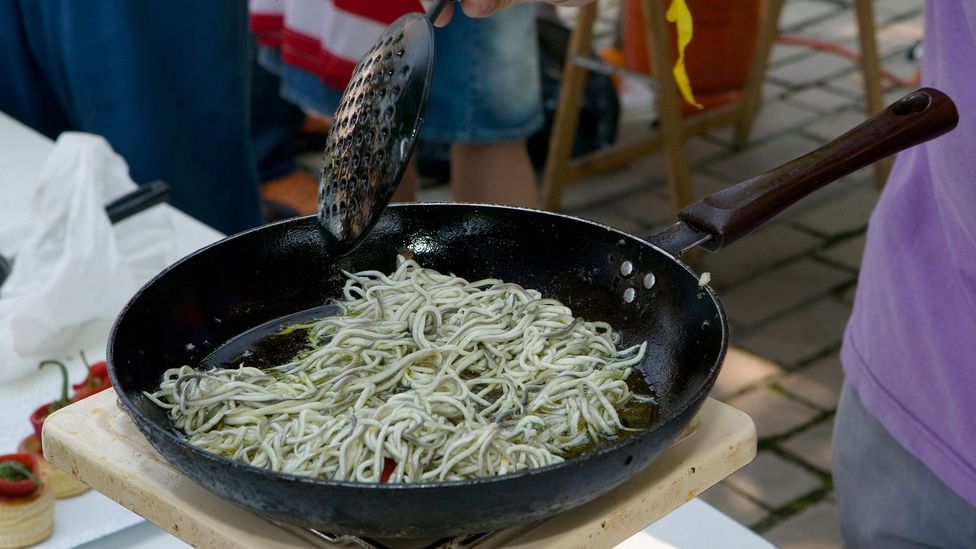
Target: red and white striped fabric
[{"x": 324, "y": 37}]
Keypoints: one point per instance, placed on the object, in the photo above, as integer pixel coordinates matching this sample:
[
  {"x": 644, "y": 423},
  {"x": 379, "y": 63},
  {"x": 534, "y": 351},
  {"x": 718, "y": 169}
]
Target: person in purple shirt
[{"x": 905, "y": 437}]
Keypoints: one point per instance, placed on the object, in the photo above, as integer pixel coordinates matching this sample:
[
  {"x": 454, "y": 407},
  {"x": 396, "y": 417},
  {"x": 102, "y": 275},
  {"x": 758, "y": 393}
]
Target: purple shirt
[{"x": 910, "y": 346}]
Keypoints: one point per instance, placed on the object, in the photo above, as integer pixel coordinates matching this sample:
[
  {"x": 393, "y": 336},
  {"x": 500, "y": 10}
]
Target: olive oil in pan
[
  {"x": 273, "y": 343},
  {"x": 636, "y": 416}
]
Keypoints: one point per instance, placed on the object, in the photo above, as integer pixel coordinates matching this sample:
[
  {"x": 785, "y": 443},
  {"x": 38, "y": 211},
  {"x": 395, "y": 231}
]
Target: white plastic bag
[{"x": 71, "y": 266}]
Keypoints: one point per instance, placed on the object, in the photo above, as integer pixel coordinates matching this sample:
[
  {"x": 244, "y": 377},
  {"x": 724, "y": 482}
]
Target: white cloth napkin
[{"x": 71, "y": 265}]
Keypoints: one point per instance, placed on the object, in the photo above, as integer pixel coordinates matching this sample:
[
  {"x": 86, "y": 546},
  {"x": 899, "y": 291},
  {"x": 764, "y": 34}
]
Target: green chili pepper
[{"x": 65, "y": 399}]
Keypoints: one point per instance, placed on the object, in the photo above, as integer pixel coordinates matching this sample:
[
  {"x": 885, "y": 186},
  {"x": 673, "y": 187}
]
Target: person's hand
[{"x": 486, "y": 8}]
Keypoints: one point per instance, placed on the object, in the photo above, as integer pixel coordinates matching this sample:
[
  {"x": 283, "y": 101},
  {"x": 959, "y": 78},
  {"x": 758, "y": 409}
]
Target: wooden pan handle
[{"x": 732, "y": 213}]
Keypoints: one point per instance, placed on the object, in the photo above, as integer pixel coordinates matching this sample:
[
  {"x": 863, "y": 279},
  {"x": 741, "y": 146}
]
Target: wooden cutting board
[{"x": 96, "y": 442}]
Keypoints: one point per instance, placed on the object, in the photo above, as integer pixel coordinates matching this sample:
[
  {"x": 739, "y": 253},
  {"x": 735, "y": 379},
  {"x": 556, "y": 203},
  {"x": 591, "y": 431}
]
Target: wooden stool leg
[
  {"x": 871, "y": 67},
  {"x": 567, "y": 111},
  {"x": 752, "y": 94},
  {"x": 668, "y": 106}
]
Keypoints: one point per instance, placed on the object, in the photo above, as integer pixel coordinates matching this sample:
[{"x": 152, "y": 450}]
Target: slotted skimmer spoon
[{"x": 375, "y": 128}]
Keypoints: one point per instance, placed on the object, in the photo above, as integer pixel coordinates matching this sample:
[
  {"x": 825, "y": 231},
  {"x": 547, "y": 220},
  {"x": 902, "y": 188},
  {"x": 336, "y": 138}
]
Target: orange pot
[{"x": 719, "y": 55}]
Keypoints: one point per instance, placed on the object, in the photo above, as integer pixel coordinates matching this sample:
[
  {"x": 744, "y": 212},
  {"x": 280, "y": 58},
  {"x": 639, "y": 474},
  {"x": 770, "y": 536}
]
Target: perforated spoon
[{"x": 375, "y": 129}]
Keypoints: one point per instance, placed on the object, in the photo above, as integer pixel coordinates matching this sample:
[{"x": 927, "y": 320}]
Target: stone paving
[{"x": 788, "y": 288}]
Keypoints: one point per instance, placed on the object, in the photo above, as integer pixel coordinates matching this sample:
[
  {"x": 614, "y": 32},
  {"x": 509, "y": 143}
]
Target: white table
[{"x": 22, "y": 153}]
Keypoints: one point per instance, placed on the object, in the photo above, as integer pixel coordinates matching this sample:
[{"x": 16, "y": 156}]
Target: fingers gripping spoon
[{"x": 375, "y": 129}]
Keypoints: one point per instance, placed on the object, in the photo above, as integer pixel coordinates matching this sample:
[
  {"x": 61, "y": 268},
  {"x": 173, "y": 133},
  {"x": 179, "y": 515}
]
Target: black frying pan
[{"x": 234, "y": 285}]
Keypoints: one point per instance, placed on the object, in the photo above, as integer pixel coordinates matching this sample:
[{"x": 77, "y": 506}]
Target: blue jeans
[
  {"x": 486, "y": 86},
  {"x": 167, "y": 83}
]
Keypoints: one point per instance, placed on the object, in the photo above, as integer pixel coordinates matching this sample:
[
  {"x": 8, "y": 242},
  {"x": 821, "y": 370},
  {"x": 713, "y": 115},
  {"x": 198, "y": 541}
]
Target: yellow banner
[{"x": 679, "y": 14}]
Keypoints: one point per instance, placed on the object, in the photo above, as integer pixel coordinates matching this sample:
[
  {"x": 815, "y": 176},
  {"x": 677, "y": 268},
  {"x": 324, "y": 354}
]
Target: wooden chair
[
  {"x": 561, "y": 170},
  {"x": 871, "y": 66}
]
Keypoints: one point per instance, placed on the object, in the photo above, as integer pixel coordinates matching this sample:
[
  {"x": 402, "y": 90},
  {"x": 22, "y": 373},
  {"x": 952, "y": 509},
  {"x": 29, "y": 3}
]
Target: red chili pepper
[
  {"x": 40, "y": 414},
  {"x": 96, "y": 381},
  {"x": 37, "y": 418},
  {"x": 18, "y": 475},
  {"x": 388, "y": 467}
]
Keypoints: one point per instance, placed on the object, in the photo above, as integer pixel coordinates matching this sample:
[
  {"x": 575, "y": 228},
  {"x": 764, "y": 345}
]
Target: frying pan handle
[{"x": 732, "y": 213}]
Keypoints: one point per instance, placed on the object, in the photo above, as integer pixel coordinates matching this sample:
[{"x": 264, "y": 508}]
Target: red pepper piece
[
  {"x": 388, "y": 467},
  {"x": 96, "y": 381},
  {"x": 37, "y": 418},
  {"x": 18, "y": 475}
]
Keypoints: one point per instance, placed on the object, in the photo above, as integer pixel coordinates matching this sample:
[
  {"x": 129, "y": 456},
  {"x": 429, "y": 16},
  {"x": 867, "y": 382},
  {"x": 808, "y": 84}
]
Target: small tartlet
[
  {"x": 26, "y": 518},
  {"x": 62, "y": 484}
]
